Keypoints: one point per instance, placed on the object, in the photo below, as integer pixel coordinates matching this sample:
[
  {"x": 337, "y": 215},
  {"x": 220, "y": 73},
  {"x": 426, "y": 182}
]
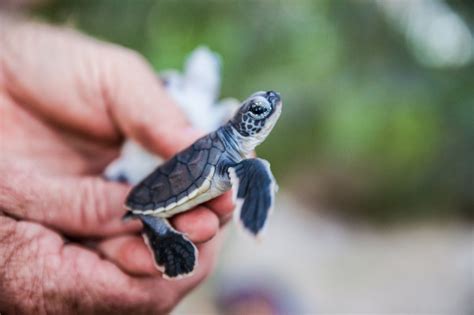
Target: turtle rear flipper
[
  {"x": 174, "y": 254},
  {"x": 254, "y": 193}
]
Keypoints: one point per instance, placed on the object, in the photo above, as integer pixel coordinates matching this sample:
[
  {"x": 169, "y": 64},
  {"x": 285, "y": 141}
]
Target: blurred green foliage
[{"x": 366, "y": 128}]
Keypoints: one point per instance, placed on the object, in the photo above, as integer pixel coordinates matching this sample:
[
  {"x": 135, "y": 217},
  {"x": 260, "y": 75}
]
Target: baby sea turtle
[{"x": 205, "y": 170}]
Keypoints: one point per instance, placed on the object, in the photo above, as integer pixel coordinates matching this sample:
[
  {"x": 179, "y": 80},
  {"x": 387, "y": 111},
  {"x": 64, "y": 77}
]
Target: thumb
[{"x": 142, "y": 109}]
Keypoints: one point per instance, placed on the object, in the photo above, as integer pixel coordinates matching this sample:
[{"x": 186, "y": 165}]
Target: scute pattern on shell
[{"x": 177, "y": 177}]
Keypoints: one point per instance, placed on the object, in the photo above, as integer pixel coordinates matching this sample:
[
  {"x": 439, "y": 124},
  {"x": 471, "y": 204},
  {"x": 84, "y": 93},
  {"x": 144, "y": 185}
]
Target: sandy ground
[{"x": 318, "y": 266}]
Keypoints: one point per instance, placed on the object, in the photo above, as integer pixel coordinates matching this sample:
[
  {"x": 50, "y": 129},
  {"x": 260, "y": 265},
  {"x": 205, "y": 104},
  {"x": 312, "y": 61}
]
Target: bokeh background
[{"x": 374, "y": 151}]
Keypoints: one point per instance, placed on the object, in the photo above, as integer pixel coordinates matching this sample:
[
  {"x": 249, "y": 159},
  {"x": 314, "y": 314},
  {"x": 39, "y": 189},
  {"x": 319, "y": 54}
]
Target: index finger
[
  {"x": 142, "y": 108},
  {"x": 110, "y": 91}
]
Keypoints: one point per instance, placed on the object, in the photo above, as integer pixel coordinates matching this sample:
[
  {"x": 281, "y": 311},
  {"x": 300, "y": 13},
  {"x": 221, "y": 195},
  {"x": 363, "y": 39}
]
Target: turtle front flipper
[
  {"x": 174, "y": 254},
  {"x": 254, "y": 193}
]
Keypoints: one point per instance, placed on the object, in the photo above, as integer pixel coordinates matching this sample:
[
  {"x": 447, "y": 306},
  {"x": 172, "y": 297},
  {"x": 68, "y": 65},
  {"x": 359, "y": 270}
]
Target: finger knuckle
[
  {"x": 92, "y": 207},
  {"x": 12, "y": 199}
]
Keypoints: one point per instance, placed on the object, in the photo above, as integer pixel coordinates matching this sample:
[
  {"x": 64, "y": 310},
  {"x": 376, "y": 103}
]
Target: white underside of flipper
[{"x": 240, "y": 201}]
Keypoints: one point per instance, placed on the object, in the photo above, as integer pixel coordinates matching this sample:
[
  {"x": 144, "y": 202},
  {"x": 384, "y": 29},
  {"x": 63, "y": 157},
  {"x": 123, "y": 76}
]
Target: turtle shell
[{"x": 177, "y": 178}]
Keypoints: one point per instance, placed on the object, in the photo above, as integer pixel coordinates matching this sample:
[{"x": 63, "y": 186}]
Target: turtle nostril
[
  {"x": 271, "y": 93},
  {"x": 273, "y": 97}
]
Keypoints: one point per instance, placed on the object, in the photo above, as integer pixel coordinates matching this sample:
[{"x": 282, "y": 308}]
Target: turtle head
[{"x": 256, "y": 117}]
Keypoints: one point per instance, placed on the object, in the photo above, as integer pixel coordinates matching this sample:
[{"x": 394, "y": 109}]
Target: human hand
[{"x": 66, "y": 103}]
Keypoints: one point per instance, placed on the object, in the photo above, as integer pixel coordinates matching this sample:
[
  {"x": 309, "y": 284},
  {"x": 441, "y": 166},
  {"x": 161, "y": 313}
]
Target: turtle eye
[{"x": 258, "y": 109}]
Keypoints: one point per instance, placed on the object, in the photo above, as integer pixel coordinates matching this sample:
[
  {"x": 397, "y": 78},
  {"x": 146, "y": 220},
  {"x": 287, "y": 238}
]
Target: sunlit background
[{"x": 373, "y": 154}]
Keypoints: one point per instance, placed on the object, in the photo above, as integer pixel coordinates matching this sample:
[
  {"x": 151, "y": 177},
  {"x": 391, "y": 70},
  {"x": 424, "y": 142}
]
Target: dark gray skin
[{"x": 205, "y": 170}]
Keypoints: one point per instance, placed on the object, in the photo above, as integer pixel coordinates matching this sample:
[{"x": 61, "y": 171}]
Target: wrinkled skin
[{"x": 66, "y": 103}]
